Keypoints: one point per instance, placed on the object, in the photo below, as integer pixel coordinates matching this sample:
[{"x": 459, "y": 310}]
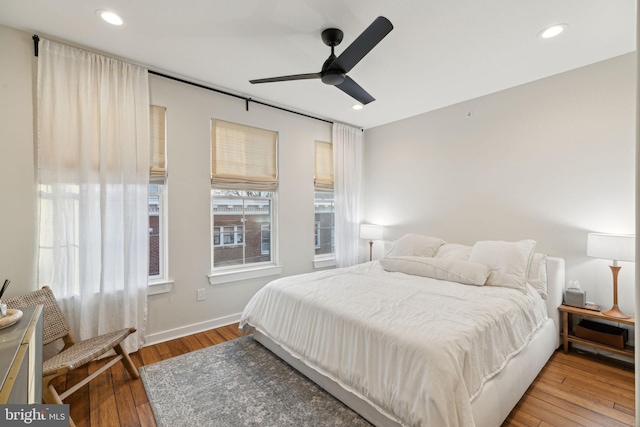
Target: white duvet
[{"x": 418, "y": 349}]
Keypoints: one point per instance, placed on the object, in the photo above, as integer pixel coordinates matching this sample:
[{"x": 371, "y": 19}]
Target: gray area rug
[{"x": 239, "y": 383}]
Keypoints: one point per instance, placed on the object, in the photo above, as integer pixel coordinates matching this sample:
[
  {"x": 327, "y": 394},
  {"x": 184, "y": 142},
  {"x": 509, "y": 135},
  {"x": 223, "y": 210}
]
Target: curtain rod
[
  {"x": 36, "y": 39},
  {"x": 246, "y": 100}
]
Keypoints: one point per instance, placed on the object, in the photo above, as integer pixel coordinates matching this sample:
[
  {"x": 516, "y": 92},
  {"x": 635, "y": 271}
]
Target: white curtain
[
  {"x": 347, "y": 163},
  {"x": 93, "y": 163}
]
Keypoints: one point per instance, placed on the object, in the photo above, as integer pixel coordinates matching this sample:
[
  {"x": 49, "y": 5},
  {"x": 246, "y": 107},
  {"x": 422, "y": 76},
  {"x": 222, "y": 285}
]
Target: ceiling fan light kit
[{"x": 334, "y": 70}]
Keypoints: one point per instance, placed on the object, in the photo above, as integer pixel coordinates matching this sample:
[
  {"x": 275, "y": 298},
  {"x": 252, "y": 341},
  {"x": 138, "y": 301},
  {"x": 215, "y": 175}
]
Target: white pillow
[
  {"x": 538, "y": 274},
  {"x": 415, "y": 245},
  {"x": 453, "y": 270},
  {"x": 509, "y": 261},
  {"x": 454, "y": 251}
]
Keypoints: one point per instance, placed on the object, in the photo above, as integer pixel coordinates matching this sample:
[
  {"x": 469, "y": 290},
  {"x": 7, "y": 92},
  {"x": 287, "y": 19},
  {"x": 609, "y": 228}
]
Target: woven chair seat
[
  {"x": 75, "y": 354},
  {"x": 84, "y": 352}
]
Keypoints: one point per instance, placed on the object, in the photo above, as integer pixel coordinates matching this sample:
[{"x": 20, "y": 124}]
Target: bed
[{"x": 420, "y": 337}]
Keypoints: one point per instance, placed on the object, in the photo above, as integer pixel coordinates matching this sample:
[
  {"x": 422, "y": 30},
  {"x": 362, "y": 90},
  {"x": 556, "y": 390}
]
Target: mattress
[{"x": 417, "y": 349}]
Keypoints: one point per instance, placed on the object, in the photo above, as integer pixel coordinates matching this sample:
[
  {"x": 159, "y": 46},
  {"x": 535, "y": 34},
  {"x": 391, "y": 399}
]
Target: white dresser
[{"x": 21, "y": 359}]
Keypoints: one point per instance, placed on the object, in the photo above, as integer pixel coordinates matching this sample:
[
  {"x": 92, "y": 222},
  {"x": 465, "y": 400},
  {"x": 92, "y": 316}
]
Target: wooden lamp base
[{"x": 615, "y": 312}]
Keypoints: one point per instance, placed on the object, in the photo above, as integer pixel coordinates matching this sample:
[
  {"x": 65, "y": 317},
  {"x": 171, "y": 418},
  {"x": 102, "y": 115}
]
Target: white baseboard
[{"x": 172, "y": 334}]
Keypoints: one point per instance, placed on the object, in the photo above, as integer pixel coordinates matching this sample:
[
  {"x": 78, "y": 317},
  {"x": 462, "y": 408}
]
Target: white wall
[
  {"x": 550, "y": 160},
  {"x": 17, "y": 171}
]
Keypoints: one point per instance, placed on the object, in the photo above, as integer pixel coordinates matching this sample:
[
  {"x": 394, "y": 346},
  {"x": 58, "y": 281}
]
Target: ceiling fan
[{"x": 334, "y": 70}]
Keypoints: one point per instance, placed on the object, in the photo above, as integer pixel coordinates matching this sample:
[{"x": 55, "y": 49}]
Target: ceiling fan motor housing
[{"x": 333, "y": 76}]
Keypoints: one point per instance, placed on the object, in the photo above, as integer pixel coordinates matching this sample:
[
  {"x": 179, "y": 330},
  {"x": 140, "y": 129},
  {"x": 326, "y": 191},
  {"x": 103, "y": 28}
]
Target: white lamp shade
[
  {"x": 616, "y": 247},
  {"x": 371, "y": 231}
]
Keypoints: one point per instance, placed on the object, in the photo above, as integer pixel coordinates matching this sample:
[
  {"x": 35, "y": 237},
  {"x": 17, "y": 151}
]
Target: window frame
[
  {"x": 235, "y": 273},
  {"x": 323, "y": 182},
  {"x": 328, "y": 259},
  {"x": 162, "y": 249},
  {"x": 160, "y": 283},
  {"x": 244, "y": 220}
]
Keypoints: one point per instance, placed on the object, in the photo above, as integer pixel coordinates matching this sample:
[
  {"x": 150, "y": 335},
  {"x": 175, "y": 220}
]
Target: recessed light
[
  {"x": 357, "y": 107},
  {"x": 553, "y": 31},
  {"x": 110, "y": 17}
]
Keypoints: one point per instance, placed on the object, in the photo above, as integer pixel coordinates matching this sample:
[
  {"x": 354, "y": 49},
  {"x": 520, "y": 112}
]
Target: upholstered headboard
[{"x": 555, "y": 284}]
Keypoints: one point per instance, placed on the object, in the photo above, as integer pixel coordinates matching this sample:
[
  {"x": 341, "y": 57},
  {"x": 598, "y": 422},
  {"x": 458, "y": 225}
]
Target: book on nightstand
[{"x": 593, "y": 307}]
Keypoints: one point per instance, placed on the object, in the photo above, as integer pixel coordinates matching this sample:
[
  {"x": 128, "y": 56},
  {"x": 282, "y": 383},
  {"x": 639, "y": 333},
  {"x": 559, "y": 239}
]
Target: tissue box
[
  {"x": 602, "y": 333},
  {"x": 575, "y": 297}
]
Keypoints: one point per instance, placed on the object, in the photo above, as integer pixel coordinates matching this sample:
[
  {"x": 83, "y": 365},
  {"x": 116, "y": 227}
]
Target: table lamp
[
  {"x": 616, "y": 247},
  {"x": 371, "y": 232}
]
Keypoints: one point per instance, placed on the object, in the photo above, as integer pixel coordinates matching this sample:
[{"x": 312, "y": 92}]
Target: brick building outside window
[{"x": 241, "y": 227}]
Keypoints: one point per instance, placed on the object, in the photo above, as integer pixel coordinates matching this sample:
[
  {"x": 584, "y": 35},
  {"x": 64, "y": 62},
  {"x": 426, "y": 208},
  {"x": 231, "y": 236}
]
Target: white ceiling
[{"x": 440, "y": 52}]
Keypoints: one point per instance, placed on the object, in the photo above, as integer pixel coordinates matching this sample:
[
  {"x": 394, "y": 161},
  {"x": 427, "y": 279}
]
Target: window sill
[
  {"x": 161, "y": 286},
  {"x": 324, "y": 262},
  {"x": 236, "y": 275}
]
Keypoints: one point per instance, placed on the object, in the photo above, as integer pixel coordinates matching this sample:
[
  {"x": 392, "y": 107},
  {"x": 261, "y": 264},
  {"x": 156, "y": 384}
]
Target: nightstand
[{"x": 568, "y": 338}]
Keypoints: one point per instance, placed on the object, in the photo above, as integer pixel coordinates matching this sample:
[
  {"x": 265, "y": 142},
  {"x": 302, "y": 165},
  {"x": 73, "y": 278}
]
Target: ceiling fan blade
[
  {"x": 363, "y": 44},
  {"x": 288, "y": 78},
  {"x": 354, "y": 90}
]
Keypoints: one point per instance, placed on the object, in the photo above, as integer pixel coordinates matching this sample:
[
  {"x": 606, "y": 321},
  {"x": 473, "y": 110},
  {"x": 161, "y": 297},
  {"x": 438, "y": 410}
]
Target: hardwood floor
[
  {"x": 578, "y": 390},
  {"x": 571, "y": 390}
]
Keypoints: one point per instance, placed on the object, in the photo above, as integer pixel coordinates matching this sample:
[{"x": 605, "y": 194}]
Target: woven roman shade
[
  {"x": 323, "y": 179},
  {"x": 243, "y": 157},
  {"x": 157, "y": 166}
]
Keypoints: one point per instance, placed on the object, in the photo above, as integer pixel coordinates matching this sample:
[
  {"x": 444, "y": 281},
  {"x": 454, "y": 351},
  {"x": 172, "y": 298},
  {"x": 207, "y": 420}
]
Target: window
[
  {"x": 243, "y": 187},
  {"x": 232, "y": 235},
  {"x": 241, "y": 227},
  {"x": 324, "y": 204},
  {"x": 157, "y": 192},
  {"x": 156, "y": 231},
  {"x": 64, "y": 198},
  {"x": 324, "y": 208}
]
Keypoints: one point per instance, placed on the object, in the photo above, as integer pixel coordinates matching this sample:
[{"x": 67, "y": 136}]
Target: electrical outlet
[{"x": 201, "y": 294}]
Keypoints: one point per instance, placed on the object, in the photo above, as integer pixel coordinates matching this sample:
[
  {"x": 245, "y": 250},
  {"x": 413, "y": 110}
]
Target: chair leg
[
  {"x": 127, "y": 362},
  {"x": 50, "y": 395}
]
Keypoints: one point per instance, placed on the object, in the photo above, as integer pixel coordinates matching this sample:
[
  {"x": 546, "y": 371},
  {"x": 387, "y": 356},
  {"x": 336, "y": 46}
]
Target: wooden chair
[{"x": 74, "y": 354}]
